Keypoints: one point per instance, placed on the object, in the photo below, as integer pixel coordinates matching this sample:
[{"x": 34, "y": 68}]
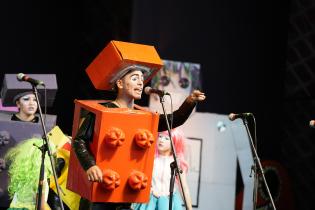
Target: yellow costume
[{"x": 70, "y": 198}]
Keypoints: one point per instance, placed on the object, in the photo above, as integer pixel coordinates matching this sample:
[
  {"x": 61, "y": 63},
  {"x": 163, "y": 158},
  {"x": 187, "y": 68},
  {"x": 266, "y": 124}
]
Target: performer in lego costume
[
  {"x": 129, "y": 88},
  {"x": 159, "y": 196}
]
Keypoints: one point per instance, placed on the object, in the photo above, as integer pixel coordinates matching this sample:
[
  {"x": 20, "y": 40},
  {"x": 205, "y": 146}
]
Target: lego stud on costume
[
  {"x": 144, "y": 138},
  {"x": 111, "y": 179},
  {"x": 138, "y": 180},
  {"x": 114, "y": 137}
]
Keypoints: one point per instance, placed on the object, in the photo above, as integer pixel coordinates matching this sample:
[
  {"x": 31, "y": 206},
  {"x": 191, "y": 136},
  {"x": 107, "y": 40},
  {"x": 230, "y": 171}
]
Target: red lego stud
[
  {"x": 111, "y": 179},
  {"x": 114, "y": 137},
  {"x": 138, "y": 180},
  {"x": 144, "y": 138}
]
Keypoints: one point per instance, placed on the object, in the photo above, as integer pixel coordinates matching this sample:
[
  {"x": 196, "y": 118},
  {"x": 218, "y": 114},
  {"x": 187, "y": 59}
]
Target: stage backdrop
[
  {"x": 214, "y": 146},
  {"x": 176, "y": 78}
]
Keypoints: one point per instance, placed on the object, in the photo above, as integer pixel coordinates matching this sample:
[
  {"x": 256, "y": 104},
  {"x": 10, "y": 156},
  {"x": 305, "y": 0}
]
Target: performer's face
[
  {"x": 132, "y": 84},
  {"x": 164, "y": 144},
  {"x": 27, "y": 104}
]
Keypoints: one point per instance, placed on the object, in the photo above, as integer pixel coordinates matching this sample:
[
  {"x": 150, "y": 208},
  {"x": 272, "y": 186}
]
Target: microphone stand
[
  {"x": 43, "y": 149},
  {"x": 254, "y": 168},
  {"x": 175, "y": 170}
]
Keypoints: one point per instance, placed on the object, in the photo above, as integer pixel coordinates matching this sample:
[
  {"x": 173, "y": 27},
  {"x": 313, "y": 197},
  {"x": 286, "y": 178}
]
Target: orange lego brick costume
[{"x": 123, "y": 150}]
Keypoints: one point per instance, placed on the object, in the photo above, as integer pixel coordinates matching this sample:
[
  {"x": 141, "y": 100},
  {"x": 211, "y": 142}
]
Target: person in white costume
[{"x": 159, "y": 198}]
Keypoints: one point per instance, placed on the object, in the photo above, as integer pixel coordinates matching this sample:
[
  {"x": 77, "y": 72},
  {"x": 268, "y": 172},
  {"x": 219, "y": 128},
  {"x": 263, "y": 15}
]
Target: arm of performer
[
  {"x": 183, "y": 112},
  {"x": 81, "y": 148}
]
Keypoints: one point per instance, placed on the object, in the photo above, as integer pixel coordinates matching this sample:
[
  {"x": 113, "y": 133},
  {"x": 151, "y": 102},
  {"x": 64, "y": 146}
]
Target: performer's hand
[
  {"x": 195, "y": 96},
  {"x": 95, "y": 174},
  {"x": 155, "y": 194}
]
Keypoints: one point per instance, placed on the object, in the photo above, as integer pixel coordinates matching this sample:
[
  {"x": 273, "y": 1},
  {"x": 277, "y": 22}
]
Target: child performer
[{"x": 159, "y": 198}]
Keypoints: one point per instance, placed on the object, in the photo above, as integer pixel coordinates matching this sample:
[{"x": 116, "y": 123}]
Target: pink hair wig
[{"x": 179, "y": 144}]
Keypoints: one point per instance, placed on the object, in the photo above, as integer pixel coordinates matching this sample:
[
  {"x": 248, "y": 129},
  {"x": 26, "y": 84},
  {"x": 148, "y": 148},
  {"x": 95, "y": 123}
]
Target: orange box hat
[{"x": 117, "y": 58}]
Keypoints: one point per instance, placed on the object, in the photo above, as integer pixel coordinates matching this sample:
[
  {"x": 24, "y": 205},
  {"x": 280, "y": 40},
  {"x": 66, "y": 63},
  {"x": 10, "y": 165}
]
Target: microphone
[
  {"x": 312, "y": 123},
  {"x": 149, "y": 90},
  {"x": 22, "y": 77},
  {"x": 233, "y": 116}
]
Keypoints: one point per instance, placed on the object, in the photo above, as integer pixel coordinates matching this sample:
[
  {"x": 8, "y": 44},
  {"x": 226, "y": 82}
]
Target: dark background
[{"x": 256, "y": 56}]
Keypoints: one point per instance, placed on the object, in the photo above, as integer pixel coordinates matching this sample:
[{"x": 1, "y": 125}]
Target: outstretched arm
[
  {"x": 196, "y": 96},
  {"x": 183, "y": 112}
]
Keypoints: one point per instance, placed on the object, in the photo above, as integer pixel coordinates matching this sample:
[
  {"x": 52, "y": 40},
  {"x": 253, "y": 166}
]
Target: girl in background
[
  {"x": 159, "y": 197},
  {"x": 27, "y": 105}
]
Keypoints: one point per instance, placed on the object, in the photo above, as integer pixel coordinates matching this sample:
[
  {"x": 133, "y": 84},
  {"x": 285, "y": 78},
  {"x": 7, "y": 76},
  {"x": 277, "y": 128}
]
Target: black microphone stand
[
  {"x": 175, "y": 170},
  {"x": 43, "y": 149},
  {"x": 254, "y": 168}
]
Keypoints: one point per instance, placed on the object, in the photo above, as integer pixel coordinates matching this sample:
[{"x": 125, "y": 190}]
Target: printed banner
[{"x": 178, "y": 79}]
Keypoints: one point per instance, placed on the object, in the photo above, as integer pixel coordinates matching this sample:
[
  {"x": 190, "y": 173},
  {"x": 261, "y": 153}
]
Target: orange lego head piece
[{"x": 118, "y": 58}]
